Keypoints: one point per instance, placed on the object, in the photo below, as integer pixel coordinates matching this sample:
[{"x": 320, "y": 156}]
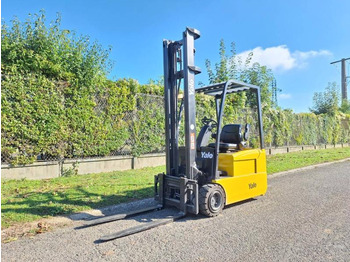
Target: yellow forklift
[{"x": 201, "y": 177}]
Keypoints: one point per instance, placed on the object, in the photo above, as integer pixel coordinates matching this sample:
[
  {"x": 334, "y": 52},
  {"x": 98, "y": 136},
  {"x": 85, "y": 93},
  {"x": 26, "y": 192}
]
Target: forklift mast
[{"x": 177, "y": 67}]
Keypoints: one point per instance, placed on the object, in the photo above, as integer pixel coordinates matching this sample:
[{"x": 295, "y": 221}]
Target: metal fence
[{"x": 139, "y": 131}]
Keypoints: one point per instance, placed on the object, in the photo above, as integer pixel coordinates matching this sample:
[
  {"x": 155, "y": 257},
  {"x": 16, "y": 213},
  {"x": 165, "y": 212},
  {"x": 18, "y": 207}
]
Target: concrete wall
[
  {"x": 39, "y": 170},
  {"x": 309, "y": 147},
  {"x": 45, "y": 170},
  {"x": 98, "y": 165},
  {"x": 109, "y": 164},
  {"x": 149, "y": 160}
]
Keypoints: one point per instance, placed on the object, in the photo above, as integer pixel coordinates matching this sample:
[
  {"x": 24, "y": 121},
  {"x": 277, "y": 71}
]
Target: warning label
[{"x": 193, "y": 141}]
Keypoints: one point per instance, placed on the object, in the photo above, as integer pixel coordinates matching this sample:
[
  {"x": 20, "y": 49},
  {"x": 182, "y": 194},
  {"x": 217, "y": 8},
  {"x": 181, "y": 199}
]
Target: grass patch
[
  {"x": 30, "y": 200},
  {"x": 282, "y": 162}
]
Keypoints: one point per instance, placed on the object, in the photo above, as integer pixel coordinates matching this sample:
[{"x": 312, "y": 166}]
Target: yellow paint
[{"x": 246, "y": 174}]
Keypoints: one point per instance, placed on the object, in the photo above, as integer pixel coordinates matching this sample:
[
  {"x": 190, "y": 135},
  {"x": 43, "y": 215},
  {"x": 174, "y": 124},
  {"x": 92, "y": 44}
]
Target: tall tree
[
  {"x": 326, "y": 102},
  {"x": 233, "y": 67},
  {"x": 51, "y": 79},
  {"x": 345, "y": 107}
]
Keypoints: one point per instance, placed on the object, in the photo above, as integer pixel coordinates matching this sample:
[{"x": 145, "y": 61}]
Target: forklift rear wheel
[{"x": 211, "y": 200}]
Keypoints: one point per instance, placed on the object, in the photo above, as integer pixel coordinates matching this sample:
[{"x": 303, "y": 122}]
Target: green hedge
[
  {"x": 40, "y": 120},
  {"x": 283, "y": 127},
  {"x": 57, "y": 103}
]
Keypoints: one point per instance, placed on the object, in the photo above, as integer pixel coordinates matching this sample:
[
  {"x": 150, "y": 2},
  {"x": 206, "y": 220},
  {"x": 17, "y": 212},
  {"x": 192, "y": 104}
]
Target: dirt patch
[{"x": 30, "y": 229}]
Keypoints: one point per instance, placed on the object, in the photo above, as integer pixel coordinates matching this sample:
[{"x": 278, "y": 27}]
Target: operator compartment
[{"x": 235, "y": 157}]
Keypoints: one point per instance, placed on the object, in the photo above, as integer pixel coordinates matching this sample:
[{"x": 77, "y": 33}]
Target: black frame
[{"x": 219, "y": 91}]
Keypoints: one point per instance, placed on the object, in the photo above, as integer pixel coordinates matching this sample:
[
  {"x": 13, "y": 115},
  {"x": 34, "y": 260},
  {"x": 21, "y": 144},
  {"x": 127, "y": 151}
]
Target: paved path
[{"x": 305, "y": 216}]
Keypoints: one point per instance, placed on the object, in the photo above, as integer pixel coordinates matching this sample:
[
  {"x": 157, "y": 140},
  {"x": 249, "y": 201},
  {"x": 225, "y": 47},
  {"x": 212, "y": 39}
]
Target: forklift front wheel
[{"x": 211, "y": 200}]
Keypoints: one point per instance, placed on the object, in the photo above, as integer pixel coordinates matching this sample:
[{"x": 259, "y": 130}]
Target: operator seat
[{"x": 232, "y": 138}]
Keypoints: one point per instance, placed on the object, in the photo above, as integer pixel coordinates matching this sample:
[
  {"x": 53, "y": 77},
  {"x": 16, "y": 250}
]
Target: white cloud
[
  {"x": 284, "y": 96},
  {"x": 280, "y": 57}
]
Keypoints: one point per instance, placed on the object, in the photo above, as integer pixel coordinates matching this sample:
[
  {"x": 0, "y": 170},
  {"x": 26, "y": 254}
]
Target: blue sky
[{"x": 296, "y": 39}]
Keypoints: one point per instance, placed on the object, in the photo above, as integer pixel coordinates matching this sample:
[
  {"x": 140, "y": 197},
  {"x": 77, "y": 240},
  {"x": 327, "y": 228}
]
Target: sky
[{"x": 296, "y": 39}]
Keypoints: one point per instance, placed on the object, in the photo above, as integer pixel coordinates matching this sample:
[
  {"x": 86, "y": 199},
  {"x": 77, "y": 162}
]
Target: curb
[{"x": 283, "y": 173}]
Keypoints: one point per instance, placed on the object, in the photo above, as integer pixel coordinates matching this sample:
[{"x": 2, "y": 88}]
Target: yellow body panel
[{"x": 246, "y": 174}]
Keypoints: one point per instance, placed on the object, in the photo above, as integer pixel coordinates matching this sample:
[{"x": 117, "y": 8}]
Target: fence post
[
  {"x": 60, "y": 166},
  {"x": 133, "y": 161}
]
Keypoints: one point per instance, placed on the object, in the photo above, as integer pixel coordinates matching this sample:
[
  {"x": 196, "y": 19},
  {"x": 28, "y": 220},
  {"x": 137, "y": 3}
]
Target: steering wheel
[{"x": 209, "y": 122}]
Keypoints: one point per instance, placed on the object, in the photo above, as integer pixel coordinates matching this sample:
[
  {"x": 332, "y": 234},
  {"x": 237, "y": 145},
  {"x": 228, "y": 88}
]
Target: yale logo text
[
  {"x": 252, "y": 185},
  {"x": 207, "y": 155}
]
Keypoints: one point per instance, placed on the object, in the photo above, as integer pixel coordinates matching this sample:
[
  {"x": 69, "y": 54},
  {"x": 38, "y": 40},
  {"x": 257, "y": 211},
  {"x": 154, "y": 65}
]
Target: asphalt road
[{"x": 305, "y": 216}]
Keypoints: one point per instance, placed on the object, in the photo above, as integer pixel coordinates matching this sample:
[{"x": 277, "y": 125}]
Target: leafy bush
[
  {"x": 56, "y": 99},
  {"x": 58, "y": 103}
]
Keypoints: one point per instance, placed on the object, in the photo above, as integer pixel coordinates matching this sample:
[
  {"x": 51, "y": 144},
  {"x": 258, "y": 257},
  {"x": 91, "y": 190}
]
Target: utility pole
[{"x": 344, "y": 90}]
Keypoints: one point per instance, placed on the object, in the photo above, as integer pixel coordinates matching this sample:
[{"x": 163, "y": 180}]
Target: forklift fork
[
  {"x": 107, "y": 219},
  {"x": 140, "y": 228},
  {"x": 179, "y": 192}
]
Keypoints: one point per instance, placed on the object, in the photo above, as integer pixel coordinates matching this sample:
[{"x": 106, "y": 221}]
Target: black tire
[{"x": 211, "y": 200}]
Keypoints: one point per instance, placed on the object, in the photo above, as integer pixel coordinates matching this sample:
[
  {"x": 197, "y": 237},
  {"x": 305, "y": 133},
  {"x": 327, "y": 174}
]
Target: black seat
[{"x": 231, "y": 137}]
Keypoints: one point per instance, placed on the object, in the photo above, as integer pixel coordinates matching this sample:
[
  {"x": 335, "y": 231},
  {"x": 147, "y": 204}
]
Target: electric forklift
[{"x": 215, "y": 168}]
